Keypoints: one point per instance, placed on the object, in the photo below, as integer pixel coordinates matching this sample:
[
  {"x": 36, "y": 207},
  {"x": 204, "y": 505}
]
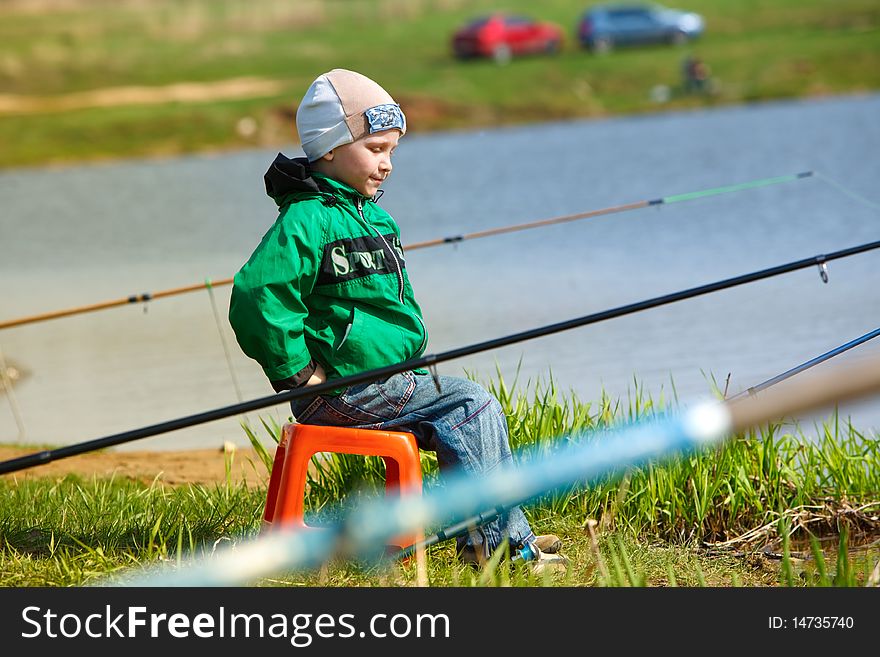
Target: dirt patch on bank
[
  {"x": 181, "y": 92},
  {"x": 174, "y": 468}
]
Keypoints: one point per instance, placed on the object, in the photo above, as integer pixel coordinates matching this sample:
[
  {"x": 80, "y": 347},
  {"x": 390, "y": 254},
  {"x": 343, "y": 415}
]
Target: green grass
[
  {"x": 756, "y": 50},
  {"x": 69, "y": 531},
  {"x": 753, "y": 512}
]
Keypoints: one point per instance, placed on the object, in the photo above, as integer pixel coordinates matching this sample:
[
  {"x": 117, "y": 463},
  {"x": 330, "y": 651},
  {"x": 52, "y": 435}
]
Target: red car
[{"x": 501, "y": 37}]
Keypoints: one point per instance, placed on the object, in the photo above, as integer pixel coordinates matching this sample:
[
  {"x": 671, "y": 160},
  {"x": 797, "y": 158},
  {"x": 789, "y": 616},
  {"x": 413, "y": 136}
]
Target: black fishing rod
[
  {"x": 451, "y": 239},
  {"x": 428, "y": 361},
  {"x": 461, "y": 528}
]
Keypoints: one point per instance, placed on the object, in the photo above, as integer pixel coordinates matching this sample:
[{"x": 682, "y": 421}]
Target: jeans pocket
[
  {"x": 379, "y": 401},
  {"x": 304, "y": 407}
]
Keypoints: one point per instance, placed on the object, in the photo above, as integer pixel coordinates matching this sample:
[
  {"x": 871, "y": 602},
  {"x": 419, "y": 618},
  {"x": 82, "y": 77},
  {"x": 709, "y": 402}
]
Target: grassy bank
[
  {"x": 54, "y": 56},
  {"x": 756, "y": 511}
]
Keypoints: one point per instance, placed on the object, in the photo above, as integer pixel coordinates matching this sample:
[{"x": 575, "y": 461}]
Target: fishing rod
[
  {"x": 807, "y": 365},
  {"x": 427, "y": 361},
  {"x": 363, "y": 527},
  {"x": 461, "y": 528},
  {"x": 453, "y": 531},
  {"x": 665, "y": 200}
]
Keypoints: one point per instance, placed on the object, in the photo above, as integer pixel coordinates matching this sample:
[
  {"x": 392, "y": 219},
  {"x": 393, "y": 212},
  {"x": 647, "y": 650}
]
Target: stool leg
[
  {"x": 274, "y": 481},
  {"x": 292, "y": 485},
  {"x": 402, "y": 477},
  {"x": 392, "y": 476}
]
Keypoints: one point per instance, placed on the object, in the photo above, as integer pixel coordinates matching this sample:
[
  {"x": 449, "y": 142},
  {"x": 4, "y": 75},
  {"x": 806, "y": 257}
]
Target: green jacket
[{"x": 327, "y": 284}]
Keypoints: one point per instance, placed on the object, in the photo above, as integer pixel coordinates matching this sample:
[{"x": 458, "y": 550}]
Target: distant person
[
  {"x": 326, "y": 295},
  {"x": 696, "y": 75}
]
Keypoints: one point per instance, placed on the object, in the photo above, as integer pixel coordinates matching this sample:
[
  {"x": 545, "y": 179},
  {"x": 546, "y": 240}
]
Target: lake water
[{"x": 78, "y": 235}]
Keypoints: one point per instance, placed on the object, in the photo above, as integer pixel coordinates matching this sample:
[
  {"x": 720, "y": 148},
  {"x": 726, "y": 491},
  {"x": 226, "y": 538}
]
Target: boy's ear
[{"x": 328, "y": 156}]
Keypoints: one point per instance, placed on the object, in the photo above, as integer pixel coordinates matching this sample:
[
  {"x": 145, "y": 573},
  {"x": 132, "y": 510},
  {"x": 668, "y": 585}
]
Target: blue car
[{"x": 604, "y": 27}]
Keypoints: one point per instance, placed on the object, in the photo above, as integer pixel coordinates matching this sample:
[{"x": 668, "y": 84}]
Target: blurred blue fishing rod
[
  {"x": 365, "y": 528},
  {"x": 464, "y": 526}
]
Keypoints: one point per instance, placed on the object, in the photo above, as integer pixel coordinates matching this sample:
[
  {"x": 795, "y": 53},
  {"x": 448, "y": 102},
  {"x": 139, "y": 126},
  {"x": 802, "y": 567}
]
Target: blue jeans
[{"x": 462, "y": 423}]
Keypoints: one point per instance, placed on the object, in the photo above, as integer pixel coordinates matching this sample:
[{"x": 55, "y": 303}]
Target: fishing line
[
  {"x": 666, "y": 200},
  {"x": 847, "y": 191},
  {"x": 210, "y": 288},
  {"x": 427, "y": 361},
  {"x": 10, "y": 395}
]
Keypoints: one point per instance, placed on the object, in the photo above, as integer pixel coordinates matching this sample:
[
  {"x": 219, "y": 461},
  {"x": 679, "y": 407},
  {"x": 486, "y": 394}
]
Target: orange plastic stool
[{"x": 300, "y": 442}]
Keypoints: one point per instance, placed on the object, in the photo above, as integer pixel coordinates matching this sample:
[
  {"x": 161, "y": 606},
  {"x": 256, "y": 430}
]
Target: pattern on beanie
[{"x": 385, "y": 117}]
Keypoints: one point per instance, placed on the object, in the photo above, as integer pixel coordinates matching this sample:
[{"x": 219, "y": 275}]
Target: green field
[{"x": 55, "y": 58}]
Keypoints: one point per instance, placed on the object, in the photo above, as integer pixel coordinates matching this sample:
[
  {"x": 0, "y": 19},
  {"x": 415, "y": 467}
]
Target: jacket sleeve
[{"x": 267, "y": 308}]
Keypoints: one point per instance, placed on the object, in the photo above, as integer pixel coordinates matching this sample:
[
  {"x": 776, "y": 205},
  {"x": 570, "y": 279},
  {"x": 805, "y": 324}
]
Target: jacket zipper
[{"x": 398, "y": 269}]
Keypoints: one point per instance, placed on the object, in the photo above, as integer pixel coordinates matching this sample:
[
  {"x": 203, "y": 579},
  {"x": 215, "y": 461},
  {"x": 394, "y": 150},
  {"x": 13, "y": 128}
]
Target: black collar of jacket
[{"x": 286, "y": 176}]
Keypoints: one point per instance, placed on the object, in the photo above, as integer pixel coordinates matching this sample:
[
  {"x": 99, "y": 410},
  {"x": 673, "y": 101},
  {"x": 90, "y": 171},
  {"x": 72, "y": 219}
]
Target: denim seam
[
  {"x": 460, "y": 446},
  {"x": 311, "y": 409},
  {"x": 357, "y": 421},
  {"x": 398, "y": 408},
  {"x": 355, "y": 409},
  {"x": 472, "y": 416}
]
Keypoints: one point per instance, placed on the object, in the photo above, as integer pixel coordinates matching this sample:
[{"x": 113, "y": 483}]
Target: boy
[{"x": 326, "y": 295}]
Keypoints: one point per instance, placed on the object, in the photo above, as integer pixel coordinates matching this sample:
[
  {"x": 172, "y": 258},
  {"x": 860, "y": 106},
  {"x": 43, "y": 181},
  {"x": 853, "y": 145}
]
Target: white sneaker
[
  {"x": 549, "y": 543},
  {"x": 548, "y": 563}
]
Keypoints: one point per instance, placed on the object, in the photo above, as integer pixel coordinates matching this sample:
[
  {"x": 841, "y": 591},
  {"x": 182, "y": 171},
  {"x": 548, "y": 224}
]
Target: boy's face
[{"x": 363, "y": 164}]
